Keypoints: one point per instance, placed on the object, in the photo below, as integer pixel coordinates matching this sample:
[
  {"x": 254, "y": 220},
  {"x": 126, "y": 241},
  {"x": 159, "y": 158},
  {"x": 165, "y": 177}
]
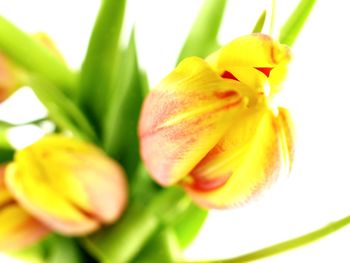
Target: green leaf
[
  {"x": 189, "y": 224},
  {"x": 260, "y": 23},
  {"x": 164, "y": 248},
  {"x": 292, "y": 27},
  {"x": 98, "y": 68},
  {"x": 202, "y": 38},
  {"x": 124, "y": 106},
  {"x": 63, "y": 110},
  {"x": 28, "y": 53}
]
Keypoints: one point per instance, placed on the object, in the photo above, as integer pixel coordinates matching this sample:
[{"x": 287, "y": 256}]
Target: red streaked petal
[
  {"x": 184, "y": 117},
  {"x": 250, "y": 153}
]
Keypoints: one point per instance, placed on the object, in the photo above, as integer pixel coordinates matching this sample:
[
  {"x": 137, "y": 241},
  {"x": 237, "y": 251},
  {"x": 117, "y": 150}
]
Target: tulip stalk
[{"x": 137, "y": 226}]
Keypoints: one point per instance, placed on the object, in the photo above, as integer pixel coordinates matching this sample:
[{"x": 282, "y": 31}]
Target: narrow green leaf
[
  {"x": 63, "y": 110},
  {"x": 189, "y": 224},
  {"x": 99, "y": 64},
  {"x": 33, "y": 56},
  {"x": 124, "y": 106},
  {"x": 292, "y": 27},
  {"x": 260, "y": 23},
  {"x": 202, "y": 38}
]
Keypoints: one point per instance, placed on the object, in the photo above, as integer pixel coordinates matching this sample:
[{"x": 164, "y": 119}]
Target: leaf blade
[{"x": 292, "y": 27}]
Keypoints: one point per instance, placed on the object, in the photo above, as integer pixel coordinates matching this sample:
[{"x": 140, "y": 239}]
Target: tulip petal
[
  {"x": 184, "y": 117},
  {"x": 244, "y": 162},
  {"x": 244, "y": 55},
  {"x": 17, "y": 228},
  {"x": 69, "y": 185}
]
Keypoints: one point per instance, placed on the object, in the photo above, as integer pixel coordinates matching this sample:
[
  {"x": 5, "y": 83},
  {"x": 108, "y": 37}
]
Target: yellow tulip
[
  {"x": 18, "y": 228},
  {"x": 69, "y": 185},
  {"x": 210, "y": 125}
]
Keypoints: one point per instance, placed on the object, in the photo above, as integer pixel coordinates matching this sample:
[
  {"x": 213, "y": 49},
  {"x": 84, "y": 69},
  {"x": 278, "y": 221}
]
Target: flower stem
[
  {"x": 122, "y": 241},
  {"x": 289, "y": 244}
]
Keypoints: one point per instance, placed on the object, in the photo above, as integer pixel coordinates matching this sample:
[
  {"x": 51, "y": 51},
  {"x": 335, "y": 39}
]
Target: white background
[{"x": 317, "y": 93}]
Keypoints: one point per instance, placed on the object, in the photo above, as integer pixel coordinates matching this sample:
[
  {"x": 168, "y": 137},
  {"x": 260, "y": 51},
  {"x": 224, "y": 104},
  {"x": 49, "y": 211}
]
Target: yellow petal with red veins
[
  {"x": 18, "y": 228},
  {"x": 184, "y": 117},
  {"x": 253, "y": 59},
  {"x": 245, "y": 161},
  {"x": 68, "y": 184}
]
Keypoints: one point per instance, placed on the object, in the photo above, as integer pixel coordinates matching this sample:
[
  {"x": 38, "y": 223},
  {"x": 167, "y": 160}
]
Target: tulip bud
[
  {"x": 69, "y": 185},
  {"x": 210, "y": 126},
  {"x": 18, "y": 228}
]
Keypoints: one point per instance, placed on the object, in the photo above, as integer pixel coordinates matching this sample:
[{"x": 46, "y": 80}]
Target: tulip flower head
[
  {"x": 70, "y": 186},
  {"x": 210, "y": 125}
]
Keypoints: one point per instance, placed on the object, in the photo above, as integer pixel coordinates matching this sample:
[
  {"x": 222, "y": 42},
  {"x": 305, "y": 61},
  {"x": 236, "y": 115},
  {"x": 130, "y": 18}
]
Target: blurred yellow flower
[
  {"x": 69, "y": 185},
  {"x": 210, "y": 125}
]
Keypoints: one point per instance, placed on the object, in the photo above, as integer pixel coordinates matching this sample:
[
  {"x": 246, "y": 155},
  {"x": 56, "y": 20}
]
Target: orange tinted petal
[
  {"x": 17, "y": 228},
  {"x": 184, "y": 117}
]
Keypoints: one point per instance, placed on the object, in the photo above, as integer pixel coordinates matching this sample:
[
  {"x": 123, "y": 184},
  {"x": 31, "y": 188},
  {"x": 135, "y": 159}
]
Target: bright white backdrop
[{"x": 317, "y": 93}]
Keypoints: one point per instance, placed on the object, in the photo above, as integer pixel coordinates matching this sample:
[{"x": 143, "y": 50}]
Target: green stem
[
  {"x": 33, "y": 56},
  {"x": 289, "y": 244},
  {"x": 124, "y": 240}
]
